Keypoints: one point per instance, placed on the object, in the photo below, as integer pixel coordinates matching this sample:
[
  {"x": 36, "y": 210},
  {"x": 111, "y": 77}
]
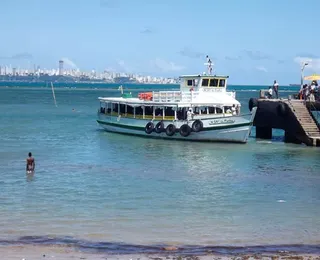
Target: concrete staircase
[{"x": 305, "y": 119}]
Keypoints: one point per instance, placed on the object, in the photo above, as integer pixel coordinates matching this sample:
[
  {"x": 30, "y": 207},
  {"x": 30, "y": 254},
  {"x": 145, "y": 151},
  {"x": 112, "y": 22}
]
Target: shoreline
[
  {"x": 82, "y": 89},
  {"x": 67, "y": 253}
]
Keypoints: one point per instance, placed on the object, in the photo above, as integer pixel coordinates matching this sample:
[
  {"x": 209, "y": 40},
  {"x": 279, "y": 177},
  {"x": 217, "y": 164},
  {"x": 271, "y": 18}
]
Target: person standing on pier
[{"x": 276, "y": 88}]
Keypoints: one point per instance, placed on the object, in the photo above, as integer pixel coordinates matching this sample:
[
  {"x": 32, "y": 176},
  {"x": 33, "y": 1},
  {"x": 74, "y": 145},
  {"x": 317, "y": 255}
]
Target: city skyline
[
  {"x": 254, "y": 42},
  {"x": 13, "y": 73}
]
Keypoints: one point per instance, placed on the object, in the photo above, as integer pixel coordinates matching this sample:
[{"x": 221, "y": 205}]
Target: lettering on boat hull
[{"x": 221, "y": 121}]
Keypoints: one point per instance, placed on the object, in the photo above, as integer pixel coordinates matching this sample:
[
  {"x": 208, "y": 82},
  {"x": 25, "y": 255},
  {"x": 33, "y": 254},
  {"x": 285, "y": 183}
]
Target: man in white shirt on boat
[
  {"x": 234, "y": 110},
  {"x": 276, "y": 88},
  {"x": 190, "y": 114}
]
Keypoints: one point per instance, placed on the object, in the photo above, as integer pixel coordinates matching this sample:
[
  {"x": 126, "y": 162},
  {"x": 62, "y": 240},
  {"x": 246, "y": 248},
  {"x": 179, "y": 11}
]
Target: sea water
[{"x": 108, "y": 191}]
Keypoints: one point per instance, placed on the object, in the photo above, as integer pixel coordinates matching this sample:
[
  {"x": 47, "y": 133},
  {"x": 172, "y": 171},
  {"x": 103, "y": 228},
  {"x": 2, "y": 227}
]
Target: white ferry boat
[{"x": 202, "y": 110}]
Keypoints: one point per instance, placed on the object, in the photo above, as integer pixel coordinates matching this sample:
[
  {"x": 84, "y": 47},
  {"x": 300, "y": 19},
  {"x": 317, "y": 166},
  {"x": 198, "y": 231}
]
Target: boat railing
[{"x": 173, "y": 96}]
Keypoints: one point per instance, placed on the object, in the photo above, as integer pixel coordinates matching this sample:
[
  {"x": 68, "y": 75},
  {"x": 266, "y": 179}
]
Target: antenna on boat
[
  {"x": 121, "y": 89},
  {"x": 209, "y": 65},
  {"x": 54, "y": 96}
]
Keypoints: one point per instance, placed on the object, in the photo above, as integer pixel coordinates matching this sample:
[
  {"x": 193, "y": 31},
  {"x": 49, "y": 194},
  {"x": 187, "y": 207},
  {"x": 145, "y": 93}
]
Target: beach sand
[{"x": 30, "y": 252}]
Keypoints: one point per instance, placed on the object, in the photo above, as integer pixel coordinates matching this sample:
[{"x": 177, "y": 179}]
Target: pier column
[
  {"x": 263, "y": 132},
  {"x": 290, "y": 138}
]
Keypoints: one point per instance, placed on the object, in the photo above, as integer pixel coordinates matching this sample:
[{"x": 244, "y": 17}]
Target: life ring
[
  {"x": 170, "y": 130},
  {"x": 149, "y": 128},
  {"x": 159, "y": 127},
  {"x": 253, "y": 102},
  {"x": 197, "y": 125},
  {"x": 282, "y": 109},
  {"x": 185, "y": 130}
]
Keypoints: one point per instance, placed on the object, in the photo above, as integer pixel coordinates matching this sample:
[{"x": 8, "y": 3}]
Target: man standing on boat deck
[
  {"x": 189, "y": 114},
  {"x": 276, "y": 88},
  {"x": 30, "y": 163}
]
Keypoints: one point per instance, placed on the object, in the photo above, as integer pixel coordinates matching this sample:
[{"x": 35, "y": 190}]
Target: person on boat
[
  {"x": 234, "y": 110},
  {"x": 276, "y": 88},
  {"x": 30, "y": 163},
  {"x": 269, "y": 94},
  {"x": 189, "y": 114}
]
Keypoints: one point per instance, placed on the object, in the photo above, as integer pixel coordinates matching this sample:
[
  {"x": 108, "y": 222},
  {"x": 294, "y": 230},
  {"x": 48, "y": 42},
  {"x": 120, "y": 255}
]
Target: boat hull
[{"x": 234, "y": 129}]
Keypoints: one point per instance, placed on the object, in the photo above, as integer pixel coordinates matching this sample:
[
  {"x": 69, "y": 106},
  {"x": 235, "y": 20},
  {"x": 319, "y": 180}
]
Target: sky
[{"x": 252, "y": 41}]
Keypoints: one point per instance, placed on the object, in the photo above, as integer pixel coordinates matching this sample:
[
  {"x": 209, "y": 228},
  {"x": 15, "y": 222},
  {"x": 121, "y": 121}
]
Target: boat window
[
  {"x": 222, "y": 82},
  {"x": 211, "y": 110},
  {"x": 169, "y": 111},
  {"x": 122, "y": 109},
  {"x": 205, "y": 82},
  {"x": 130, "y": 110},
  {"x": 148, "y": 111},
  {"x": 219, "y": 110},
  {"x": 190, "y": 82},
  {"x": 115, "y": 107},
  {"x": 139, "y": 111},
  {"x": 213, "y": 82}
]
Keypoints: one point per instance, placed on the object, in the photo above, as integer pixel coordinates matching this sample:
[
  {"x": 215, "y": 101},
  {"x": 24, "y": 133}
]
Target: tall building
[
  {"x": 60, "y": 67},
  {"x": 14, "y": 71}
]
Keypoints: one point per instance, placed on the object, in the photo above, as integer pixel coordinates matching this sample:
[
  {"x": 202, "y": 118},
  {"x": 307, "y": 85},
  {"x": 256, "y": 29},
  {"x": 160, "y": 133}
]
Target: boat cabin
[{"x": 206, "y": 83}]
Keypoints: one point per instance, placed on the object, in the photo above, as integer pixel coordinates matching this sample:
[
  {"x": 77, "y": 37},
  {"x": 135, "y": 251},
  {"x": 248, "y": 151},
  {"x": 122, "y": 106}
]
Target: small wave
[{"x": 123, "y": 248}]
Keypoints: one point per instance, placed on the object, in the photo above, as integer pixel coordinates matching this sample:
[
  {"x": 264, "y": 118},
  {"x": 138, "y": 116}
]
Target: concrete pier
[{"x": 292, "y": 116}]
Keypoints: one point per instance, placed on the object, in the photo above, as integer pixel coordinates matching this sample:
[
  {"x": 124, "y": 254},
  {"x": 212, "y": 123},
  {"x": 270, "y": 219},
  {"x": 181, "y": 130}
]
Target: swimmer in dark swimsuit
[{"x": 30, "y": 163}]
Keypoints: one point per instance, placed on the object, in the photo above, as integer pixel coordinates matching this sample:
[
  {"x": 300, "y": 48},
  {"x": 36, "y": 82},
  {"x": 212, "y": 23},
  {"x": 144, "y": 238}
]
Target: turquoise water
[{"x": 95, "y": 187}]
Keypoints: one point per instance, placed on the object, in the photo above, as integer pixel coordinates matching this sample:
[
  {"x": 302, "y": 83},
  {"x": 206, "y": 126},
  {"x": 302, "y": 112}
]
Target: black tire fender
[
  {"x": 185, "y": 130},
  {"x": 159, "y": 127},
  {"x": 197, "y": 126},
  {"x": 149, "y": 128},
  {"x": 170, "y": 130}
]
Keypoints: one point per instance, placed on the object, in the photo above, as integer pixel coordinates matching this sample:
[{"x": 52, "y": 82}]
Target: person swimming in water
[{"x": 30, "y": 163}]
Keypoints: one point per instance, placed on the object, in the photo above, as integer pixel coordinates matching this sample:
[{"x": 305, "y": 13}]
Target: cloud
[
  {"x": 69, "y": 63},
  {"x": 166, "y": 66},
  {"x": 233, "y": 57},
  {"x": 261, "y": 68},
  {"x": 313, "y": 63},
  {"x": 108, "y": 3},
  {"x": 146, "y": 31},
  {"x": 187, "y": 52},
  {"x": 18, "y": 56},
  {"x": 257, "y": 55}
]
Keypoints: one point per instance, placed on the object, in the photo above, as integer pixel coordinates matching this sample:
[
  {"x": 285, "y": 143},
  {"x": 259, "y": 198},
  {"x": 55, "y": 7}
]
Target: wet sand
[{"x": 30, "y": 252}]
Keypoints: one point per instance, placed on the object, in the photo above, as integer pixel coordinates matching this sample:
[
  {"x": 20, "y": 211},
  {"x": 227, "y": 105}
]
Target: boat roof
[
  {"x": 205, "y": 76},
  {"x": 218, "y": 100}
]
